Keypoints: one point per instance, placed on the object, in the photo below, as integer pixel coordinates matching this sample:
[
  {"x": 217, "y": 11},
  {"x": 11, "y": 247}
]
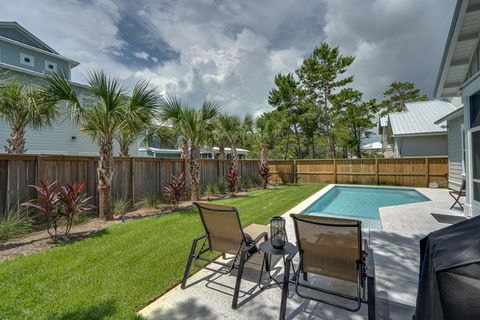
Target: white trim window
[
  {"x": 474, "y": 138},
  {"x": 50, "y": 66},
  {"x": 27, "y": 60}
]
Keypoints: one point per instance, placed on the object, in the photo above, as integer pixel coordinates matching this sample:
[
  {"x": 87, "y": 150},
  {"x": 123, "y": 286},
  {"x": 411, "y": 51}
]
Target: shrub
[
  {"x": 15, "y": 222},
  {"x": 256, "y": 181},
  {"x": 175, "y": 190},
  {"x": 120, "y": 206},
  {"x": 211, "y": 189},
  {"x": 151, "y": 200},
  {"x": 55, "y": 204},
  {"x": 72, "y": 201},
  {"x": 46, "y": 205},
  {"x": 221, "y": 186},
  {"x": 264, "y": 173},
  {"x": 232, "y": 180}
]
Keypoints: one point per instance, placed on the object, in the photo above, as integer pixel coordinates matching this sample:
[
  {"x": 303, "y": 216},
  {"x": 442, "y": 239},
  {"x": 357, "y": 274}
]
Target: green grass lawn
[{"x": 112, "y": 274}]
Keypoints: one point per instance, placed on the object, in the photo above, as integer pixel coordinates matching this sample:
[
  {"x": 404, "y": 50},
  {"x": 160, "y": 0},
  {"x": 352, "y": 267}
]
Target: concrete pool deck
[{"x": 396, "y": 251}]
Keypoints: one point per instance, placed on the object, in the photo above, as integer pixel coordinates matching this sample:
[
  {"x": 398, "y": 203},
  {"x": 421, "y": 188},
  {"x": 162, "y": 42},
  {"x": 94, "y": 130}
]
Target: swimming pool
[{"x": 362, "y": 203}]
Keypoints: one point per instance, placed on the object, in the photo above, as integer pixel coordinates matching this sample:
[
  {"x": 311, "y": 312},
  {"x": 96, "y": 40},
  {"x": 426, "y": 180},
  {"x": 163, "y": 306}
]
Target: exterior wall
[
  {"x": 421, "y": 146},
  {"x": 59, "y": 138},
  {"x": 10, "y": 54},
  {"x": 455, "y": 150},
  {"x": 472, "y": 87}
]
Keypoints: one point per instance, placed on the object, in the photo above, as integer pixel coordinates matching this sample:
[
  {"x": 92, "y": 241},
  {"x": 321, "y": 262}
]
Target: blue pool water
[{"x": 362, "y": 203}]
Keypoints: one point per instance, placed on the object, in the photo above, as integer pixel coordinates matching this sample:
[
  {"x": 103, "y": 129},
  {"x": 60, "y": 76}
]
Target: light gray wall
[
  {"x": 58, "y": 138},
  {"x": 455, "y": 152},
  {"x": 421, "y": 146},
  {"x": 10, "y": 54}
]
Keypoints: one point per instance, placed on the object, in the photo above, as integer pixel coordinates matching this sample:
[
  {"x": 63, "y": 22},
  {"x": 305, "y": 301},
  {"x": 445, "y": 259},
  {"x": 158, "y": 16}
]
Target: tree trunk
[
  {"x": 221, "y": 153},
  {"x": 124, "y": 151},
  {"x": 105, "y": 175},
  {"x": 16, "y": 142},
  {"x": 194, "y": 172},
  {"x": 299, "y": 144},
  {"x": 264, "y": 164},
  {"x": 234, "y": 155},
  {"x": 286, "y": 146}
]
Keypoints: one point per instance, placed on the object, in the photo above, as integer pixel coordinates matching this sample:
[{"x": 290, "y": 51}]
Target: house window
[
  {"x": 475, "y": 144},
  {"x": 50, "y": 66},
  {"x": 27, "y": 60}
]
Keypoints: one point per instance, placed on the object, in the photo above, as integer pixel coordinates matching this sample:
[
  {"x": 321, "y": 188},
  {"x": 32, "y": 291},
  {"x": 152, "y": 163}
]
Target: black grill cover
[{"x": 449, "y": 283}]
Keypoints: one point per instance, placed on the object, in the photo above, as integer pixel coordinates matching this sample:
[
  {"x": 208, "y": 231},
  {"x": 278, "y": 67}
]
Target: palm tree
[
  {"x": 101, "y": 117},
  {"x": 139, "y": 113},
  {"x": 21, "y": 106},
  {"x": 236, "y": 131},
  {"x": 194, "y": 127}
]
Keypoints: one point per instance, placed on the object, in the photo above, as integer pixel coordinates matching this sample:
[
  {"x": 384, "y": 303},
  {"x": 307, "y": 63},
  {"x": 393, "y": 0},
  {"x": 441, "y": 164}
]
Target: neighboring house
[
  {"x": 155, "y": 150},
  {"x": 26, "y": 58},
  {"x": 459, "y": 76},
  {"x": 413, "y": 133},
  {"x": 372, "y": 147}
]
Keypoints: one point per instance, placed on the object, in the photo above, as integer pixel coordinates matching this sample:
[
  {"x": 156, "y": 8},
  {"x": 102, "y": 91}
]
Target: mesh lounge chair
[
  {"x": 224, "y": 233},
  {"x": 456, "y": 194},
  {"x": 333, "y": 248}
]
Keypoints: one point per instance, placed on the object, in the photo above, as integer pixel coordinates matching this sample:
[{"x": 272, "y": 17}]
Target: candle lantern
[{"x": 278, "y": 233}]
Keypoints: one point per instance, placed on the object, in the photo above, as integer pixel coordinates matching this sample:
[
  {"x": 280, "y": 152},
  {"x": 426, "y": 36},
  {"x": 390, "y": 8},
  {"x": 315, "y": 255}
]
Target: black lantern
[{"x": 278, "y": 233}]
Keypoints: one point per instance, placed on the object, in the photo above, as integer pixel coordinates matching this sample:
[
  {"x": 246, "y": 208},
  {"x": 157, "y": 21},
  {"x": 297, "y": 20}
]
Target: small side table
[{"x": 268, "y": 250}]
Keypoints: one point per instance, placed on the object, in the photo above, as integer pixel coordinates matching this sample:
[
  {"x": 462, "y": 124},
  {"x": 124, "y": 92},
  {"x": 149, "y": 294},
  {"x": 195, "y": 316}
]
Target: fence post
[
  {"x": 295, "y": 171},
  {"x": 427, "y": 171},
  {"x": 132, "y": 178},
  {"x": 334, "y": 170},
  {"x": 376, "y": 171}
]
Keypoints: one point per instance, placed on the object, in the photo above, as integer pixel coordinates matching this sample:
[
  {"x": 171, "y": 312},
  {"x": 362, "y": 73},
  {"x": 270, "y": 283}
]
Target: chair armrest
[
  {"x": 261, "y": 236},
  {"x": 291, "y": 256}
]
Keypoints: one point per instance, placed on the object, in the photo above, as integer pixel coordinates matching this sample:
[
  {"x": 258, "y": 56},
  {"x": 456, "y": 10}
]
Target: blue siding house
[{"x": 26, "y": 58}]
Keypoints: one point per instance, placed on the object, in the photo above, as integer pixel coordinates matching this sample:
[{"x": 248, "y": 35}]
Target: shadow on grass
[{"x": 96, "y": 312}]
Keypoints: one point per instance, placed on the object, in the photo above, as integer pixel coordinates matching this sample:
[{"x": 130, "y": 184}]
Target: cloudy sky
[{"x": 229, "y": 51}]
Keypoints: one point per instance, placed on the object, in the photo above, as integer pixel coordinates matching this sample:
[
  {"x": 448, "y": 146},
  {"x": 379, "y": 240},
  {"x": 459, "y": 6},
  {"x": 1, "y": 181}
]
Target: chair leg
[
  {"x": 286, "y": 280},
  {"x": 371, "y": 298},
  {"x": 305, "y": 277},
  {"x": 239, "y": 279},
  {"x": 189, "y": 264}
]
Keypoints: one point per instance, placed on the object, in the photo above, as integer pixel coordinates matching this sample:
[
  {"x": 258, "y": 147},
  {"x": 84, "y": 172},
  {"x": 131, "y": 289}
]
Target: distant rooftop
[{"x": 420, "y": 118}]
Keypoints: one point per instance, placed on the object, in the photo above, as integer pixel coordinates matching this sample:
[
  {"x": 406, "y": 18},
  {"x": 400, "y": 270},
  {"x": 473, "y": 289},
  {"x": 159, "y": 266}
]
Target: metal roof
[
  {"x": 372, "y": 146},
  {"x": 462, "y": 42},
  {"x": 420, "y": 117}
]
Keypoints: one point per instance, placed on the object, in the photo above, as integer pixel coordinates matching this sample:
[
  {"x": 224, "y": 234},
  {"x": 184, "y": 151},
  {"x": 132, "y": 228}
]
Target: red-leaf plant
[
  {"x": 232, "y": 180},
  {"x": 47, "y": 206},
  {"x": 175, "y": 190},
  {"x": 264, "y": 173},
  {"x": 72, "y": 201},
  {"x": 53, "y": 204}
]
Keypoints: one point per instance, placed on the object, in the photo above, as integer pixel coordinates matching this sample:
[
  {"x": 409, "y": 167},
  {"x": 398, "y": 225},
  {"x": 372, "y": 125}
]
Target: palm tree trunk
[
  {"x": 194, "y": 172},
  {"x": 221, "y": 153},
  {"x": 16, "y": 142},
  {"x": 105, "y": 175},
  {"x": 234, "y": 155},
  {"x": 124, "y": 151}
]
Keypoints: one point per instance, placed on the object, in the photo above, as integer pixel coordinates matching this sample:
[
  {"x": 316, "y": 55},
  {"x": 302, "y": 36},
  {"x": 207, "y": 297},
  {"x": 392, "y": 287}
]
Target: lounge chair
[
  {"x": 456, "y": 194},
  {"x": 224, "y": 233},
  {"x": 332, "y": 248}
]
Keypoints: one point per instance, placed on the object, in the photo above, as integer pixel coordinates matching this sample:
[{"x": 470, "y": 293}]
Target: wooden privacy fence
[
  {"x": 410, "y": 172},
  {"x": 135, "y": 177}
]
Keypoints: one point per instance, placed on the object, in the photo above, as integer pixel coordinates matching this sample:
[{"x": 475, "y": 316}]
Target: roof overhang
[
  {"x": 462, "y": 41},
  {"x": 449, "y": 116},
  {"x": 28, "y": 34},
  {"x": 420, "y": 134}
]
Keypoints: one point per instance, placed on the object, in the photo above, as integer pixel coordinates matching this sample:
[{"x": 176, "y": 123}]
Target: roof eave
[{"x": 455, "y": 113}]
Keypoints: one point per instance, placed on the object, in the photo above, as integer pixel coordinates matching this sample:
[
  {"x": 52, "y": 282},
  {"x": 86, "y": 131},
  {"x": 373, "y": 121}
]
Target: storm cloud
[{"x": 230, "y": 51}]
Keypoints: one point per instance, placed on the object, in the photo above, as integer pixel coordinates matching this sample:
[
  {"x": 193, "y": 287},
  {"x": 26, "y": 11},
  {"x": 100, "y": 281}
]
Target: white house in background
[
  {"x": 372, "y": 147},
  {"x": 459, "y": 75},
  {"x": 413, "y": 133},
  {"x": 26, "y": 58},
  {"x": 205, "y": 152}
]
